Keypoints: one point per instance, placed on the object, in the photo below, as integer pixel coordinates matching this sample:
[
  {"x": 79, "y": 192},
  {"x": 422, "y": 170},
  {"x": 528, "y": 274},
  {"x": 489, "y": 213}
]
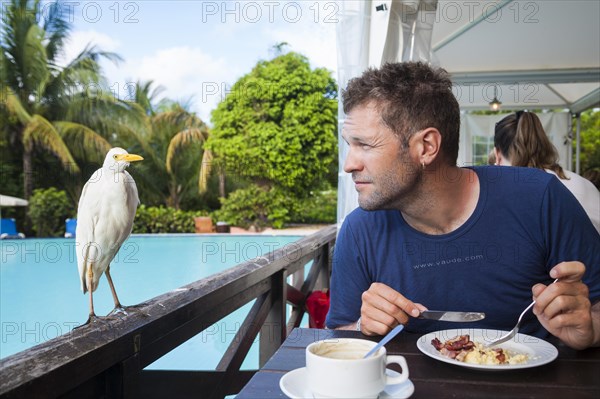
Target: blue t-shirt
[{"x": 525, "y": 223}]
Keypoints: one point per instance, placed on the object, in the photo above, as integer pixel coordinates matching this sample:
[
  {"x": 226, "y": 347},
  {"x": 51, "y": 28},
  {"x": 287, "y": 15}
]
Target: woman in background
[{"x": 520, "y": 140}]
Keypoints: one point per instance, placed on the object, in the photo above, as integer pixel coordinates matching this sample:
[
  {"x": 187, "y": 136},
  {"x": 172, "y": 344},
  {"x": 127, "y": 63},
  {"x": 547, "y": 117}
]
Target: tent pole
[
  {"x": 578, "y": 142},
  {"x": 569, "y": 142}
]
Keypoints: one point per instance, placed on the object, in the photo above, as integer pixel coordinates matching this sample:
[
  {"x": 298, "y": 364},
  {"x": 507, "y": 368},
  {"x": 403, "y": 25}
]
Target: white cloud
[
  {"x": 184, "y": 72},
  {"x": 187, "y": 72}
]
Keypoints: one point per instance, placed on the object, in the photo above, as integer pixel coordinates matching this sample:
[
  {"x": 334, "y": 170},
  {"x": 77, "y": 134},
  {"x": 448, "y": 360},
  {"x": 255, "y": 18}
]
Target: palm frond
[
  {"x": 40, "y": 132},
  {"x": 82, "y": 141},
  {"x": 57, "y": 28},
  {"x": 14, "y": 106},
  {"x": 90, "y": 56},
  {"x": 145, "y": 95},
  {"x": 178, "y": 116},
  {"x": 180, "y": 141},
  {"x": 148, "y": 152},
  {"x": 82, "y": 74},
  {"x": 34, "y": 62},
  {"x": 205, "y": 170},
  {"x": 103, "y": 113},
  {"x": 16, "y": 22}
]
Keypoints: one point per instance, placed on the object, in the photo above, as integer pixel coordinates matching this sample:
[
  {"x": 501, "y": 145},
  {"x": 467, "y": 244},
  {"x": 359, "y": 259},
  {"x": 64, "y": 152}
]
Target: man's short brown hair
[{"x": 411, "y": 96}]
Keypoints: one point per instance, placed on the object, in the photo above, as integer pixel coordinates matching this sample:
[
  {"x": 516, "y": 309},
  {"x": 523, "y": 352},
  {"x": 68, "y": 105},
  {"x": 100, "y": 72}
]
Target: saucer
[{"x": 293, "y": 384}]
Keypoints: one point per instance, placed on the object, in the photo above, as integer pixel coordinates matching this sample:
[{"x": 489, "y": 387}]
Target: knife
[{"x": 451, "y": 316}]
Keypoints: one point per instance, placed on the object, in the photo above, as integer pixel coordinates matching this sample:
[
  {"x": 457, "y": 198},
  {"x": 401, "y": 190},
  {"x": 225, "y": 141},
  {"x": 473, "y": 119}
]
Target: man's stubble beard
[{"x": 394, "y": 192}]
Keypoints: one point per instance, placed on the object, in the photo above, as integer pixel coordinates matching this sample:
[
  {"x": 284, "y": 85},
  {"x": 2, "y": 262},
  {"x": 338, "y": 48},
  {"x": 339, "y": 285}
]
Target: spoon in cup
[{"x": 385, "y": 339}]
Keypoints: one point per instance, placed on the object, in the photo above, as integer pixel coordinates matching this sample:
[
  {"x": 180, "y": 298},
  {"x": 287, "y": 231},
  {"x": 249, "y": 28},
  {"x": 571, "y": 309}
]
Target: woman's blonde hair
[{"x": 521, "y": 138}]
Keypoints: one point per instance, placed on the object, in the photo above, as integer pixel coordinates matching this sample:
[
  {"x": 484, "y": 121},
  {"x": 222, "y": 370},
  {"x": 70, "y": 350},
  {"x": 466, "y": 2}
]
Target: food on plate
[{"x": 461, "y": 348}]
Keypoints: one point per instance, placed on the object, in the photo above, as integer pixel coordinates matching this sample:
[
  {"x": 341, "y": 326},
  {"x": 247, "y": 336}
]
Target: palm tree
[
  {"x": 48, "y": 107},
  {"x": 172, "y": 142}
]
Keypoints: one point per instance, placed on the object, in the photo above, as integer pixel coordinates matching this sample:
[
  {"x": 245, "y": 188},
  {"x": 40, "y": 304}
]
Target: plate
[
  {"x": 539, "y": 351},
  {"x": 294, "y": 385}
]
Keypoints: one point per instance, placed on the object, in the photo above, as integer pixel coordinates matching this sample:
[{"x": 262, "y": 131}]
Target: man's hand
[
  {"x": 383, "y": 308},
  {"x": 564, "y": 308}
]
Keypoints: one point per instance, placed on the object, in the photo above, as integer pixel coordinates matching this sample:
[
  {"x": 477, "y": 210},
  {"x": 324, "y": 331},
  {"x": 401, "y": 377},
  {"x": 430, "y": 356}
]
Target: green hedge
[
  {"x": 164, "y": 220},
  {"x": 257, "y": 207},
  {"x": 320, "y": 207},
  {"x": 48, "y": 209},
  {"x": 254, "y": 206}
]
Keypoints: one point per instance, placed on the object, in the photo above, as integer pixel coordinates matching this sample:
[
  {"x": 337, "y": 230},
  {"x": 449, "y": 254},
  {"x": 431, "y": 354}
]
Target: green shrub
[
  {"x": 320, "y": 207},
  {"x": 257, "y": 207},
  {"x": 164, "y": 220},
  {"x": 48, "y": 209}
]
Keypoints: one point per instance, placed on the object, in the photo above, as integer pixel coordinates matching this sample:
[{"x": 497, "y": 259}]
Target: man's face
[{"x": 383, "y": 172}]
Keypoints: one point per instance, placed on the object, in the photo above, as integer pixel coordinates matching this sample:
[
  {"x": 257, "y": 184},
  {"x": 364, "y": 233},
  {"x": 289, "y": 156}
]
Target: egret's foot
[
  {"x": 91, "y": 321},
  {"x": 118, "y": 310}
]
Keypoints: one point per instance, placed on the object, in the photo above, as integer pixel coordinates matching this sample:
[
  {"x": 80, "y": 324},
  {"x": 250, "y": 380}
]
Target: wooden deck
[{"x": 107, "y": 359}]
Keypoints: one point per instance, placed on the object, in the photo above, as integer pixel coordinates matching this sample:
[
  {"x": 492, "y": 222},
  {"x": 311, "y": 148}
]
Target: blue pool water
[{"x": 40, "y": 295}]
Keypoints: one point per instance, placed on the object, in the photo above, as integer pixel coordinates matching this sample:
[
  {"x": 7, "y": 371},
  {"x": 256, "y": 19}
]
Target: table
[{"x": 574, "y": 374}]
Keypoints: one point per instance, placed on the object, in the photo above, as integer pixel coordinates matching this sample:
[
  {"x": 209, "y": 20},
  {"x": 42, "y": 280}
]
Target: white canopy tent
[
  {"x": 528, "y": 54},
  {"x": 7, "y": 200}
]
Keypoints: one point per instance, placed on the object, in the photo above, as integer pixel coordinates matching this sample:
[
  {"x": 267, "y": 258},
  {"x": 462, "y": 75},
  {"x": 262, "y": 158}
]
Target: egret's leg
[
  {"x": 118, "y": 307},
  {"x": 88, "y": 280}
]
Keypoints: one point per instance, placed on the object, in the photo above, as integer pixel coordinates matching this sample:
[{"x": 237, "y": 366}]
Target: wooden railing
[{"x": 107, "y": 359}]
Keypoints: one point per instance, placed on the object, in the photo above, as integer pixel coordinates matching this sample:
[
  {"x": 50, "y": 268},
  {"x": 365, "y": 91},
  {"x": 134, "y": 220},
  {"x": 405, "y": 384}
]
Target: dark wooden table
[{"x": 574, "y": 374}]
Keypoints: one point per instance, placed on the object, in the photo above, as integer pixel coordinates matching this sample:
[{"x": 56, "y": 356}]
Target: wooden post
[
  {"x": 321, "y": 261},
  {"x": 274, "y": 331},
  {"x": 131, "y": 372}
]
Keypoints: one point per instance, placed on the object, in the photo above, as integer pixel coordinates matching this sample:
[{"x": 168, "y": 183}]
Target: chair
[
  {"x": 8, "y": 229},
  {"x": 70, "y": 226}
]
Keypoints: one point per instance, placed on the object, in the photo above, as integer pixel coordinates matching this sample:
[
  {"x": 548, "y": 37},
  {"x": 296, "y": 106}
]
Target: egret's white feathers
[{"x": 104, "y": 217}]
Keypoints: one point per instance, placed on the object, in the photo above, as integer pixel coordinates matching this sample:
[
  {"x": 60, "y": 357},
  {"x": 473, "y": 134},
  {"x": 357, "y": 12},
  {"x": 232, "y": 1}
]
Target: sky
[{"x": 196, "y": 50}]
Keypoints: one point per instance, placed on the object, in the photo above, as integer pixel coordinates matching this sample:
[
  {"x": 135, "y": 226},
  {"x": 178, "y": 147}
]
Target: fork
[{"x": 515, "y": 330}]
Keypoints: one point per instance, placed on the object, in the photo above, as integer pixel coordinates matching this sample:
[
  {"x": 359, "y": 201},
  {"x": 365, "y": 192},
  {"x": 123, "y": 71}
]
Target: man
[{"x": 429, "y": 234}]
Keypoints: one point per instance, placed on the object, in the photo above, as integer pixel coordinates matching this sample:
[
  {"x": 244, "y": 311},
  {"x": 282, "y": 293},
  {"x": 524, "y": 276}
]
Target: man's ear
[{"x": 429, "y": 145}]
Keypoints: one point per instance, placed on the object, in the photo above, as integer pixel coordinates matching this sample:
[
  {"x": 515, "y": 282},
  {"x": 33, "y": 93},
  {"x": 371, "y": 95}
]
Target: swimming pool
[{"x": 40, "y": 295}]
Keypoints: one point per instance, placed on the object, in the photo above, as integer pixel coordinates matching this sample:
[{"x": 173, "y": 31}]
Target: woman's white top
[{"x": 585, "y": 192}]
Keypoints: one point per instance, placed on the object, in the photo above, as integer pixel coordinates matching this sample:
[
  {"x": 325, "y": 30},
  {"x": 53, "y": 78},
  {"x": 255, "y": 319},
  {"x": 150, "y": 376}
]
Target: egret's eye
[{"x": 115, "y": 156}]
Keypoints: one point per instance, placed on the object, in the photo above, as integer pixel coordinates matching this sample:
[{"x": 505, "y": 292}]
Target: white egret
[{"x": 104, "y": 221}]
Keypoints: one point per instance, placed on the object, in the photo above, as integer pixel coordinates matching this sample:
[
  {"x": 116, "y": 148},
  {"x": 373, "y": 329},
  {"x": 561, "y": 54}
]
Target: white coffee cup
[{"x": 336, "y": 368}]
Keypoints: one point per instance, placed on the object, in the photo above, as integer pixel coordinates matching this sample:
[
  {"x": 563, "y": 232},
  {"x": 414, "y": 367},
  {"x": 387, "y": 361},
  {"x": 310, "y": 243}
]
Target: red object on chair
[{"x": 317, "y": 305}]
